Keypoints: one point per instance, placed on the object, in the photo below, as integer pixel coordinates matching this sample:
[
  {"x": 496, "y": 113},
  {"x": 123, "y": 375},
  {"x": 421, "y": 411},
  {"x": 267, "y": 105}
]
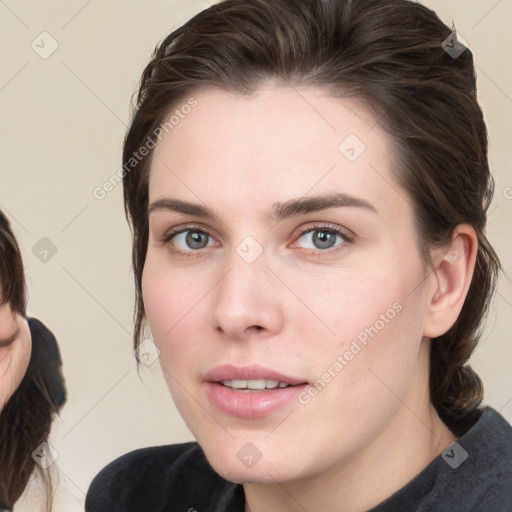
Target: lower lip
[{"x": 252, "y": 404}]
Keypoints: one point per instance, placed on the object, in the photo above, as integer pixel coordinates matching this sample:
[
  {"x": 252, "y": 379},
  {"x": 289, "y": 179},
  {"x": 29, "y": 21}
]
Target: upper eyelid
[
  {"x": 317, "y": 225},
  {"x": 325, "y": 227},
  {"x": 177, "y": 230}
]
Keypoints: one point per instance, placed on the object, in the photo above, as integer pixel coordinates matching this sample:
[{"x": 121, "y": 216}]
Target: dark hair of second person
[{"x": 27, "y": 414}]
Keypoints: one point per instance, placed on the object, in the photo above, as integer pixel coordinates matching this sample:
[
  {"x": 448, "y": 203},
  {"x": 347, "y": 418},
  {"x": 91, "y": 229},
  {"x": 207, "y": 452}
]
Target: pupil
[
  {"x": 194, "y": 239},
  {"x": 324, "y": 239}
]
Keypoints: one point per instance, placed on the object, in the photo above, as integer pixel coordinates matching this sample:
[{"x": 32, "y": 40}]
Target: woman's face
[
  {"x": 15, "y": 350},
  {"x": 296, "y": 262}
]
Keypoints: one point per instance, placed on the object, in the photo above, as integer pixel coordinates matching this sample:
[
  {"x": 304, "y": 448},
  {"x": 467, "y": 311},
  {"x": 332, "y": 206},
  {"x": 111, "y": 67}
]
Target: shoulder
[
  {"x": 490, "y": 433},
  {"x": 149, "y": 461},
  {"x": 152, "y": 479},
  {"x": 491, "y": 442},
  {"x": 473, "y": 474},
  {"x": 480, "y": 470}
]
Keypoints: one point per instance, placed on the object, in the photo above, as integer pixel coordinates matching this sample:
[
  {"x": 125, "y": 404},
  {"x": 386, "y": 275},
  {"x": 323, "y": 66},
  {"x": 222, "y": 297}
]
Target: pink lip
[
  {"x": 254, "y": 404},
  {"x": 253, "y": 372}
]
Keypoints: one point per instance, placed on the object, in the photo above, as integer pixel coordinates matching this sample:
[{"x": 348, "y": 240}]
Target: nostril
[{"x": 255, "y": 327}]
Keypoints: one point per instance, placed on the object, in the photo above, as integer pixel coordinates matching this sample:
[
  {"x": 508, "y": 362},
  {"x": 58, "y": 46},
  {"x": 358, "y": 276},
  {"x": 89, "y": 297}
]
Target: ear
[{"x": 453, "y": 267}]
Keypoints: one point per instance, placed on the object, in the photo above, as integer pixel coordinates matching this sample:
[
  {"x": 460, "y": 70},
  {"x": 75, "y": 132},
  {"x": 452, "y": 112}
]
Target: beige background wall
[{"x": 62, "y": 121}]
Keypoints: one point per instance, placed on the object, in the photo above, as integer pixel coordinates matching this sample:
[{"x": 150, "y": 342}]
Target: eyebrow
[{"x": 278, "y": 211}]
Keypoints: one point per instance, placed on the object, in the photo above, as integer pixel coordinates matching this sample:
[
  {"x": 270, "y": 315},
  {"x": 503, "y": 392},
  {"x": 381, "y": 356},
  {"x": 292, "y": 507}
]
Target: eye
[
  {"x": 189, "y": 239},
  {"x": 318, "y": 238},
  {"x": 9, "y": 341},
  {"x": 322, "y": 238}
]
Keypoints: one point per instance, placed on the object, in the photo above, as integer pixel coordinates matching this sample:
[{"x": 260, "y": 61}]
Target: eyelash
[{"x": 346, "y": 237}]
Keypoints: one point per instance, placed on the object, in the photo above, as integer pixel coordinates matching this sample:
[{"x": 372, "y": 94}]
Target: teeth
[{"x": 254, "y": 384}]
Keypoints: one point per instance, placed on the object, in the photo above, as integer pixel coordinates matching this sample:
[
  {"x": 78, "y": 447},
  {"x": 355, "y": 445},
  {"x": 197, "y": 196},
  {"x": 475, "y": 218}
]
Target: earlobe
[{"x": 450, "y": 280}]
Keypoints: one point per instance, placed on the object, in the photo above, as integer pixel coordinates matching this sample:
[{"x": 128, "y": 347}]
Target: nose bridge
[
  {"x": 247, "y": 264},
  {"x": 244, "y": 296}
]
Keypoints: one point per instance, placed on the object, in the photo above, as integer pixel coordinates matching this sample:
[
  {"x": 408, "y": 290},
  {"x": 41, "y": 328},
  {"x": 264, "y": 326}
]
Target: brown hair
[
  {"x": 26, "y": 418},
  {"x": 387, "y": 54},
  {"x": 12, "y": 277}
]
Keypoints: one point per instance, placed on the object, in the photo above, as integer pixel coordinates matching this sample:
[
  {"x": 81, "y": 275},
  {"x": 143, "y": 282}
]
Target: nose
[{"x": 246, "y": 302}]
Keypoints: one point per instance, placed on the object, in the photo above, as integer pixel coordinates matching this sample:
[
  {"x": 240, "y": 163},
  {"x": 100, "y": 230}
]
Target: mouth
[
  {"x": 253, "y": 377},
  {"x": 248, "y": 386},
  {"x": 251, "y": 392}
]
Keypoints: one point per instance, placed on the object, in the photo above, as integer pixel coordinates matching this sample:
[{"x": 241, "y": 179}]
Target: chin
[
  {"x": 260, "y": 474},
  {"x": 238, "y": 467}
]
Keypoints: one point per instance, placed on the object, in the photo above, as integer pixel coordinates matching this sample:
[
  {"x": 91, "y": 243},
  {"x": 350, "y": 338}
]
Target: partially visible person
[{"x": 32, "y": 392}]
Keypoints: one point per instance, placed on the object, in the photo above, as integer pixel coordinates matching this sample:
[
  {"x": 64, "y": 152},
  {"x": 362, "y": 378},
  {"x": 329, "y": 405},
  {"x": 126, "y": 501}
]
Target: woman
[
  {"x": 307, "y": 183},
  {"x": 32, "y": 390}
]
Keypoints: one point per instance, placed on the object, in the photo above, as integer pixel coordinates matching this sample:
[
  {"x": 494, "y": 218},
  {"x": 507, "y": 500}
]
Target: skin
[
  {"x": 373, "y": 427},
  {"x": 15, "y": 351}
]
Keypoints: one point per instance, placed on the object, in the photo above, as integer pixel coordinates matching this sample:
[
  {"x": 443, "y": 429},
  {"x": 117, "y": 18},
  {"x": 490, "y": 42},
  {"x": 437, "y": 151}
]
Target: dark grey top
[{"x": 472, "y": 475}]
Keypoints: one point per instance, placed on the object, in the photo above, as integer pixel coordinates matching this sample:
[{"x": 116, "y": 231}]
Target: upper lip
[{"x": 251, "y": 372}]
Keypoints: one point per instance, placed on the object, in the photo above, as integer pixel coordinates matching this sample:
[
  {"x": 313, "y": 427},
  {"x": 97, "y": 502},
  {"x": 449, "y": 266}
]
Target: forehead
[{"x": 280, "y": 142}]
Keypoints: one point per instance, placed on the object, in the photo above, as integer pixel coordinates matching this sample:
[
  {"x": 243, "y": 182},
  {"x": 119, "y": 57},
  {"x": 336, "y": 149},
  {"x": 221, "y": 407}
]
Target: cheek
[
  {"x": 172, "y": 302},
  {"x": 370, "y": 362},
  {"x": 381, "y": 362},
  {"x": 344, "y": 306},
  {"x": 370, "y": 322}
]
